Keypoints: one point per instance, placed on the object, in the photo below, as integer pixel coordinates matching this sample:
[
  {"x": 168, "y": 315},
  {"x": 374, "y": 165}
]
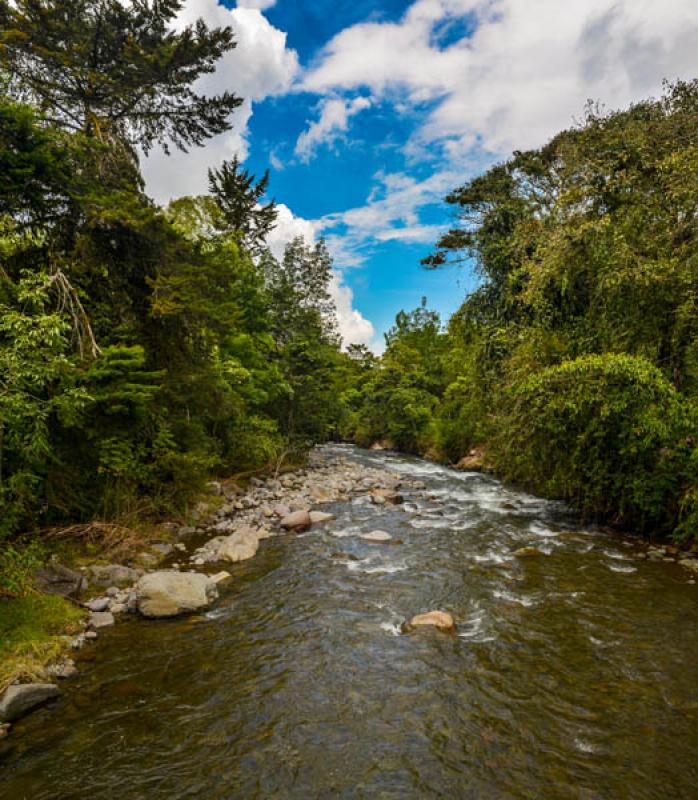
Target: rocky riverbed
[{"x": 186, "y": 571}]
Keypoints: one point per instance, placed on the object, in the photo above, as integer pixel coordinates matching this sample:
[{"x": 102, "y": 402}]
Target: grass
[{"x": 32, "y": 631}]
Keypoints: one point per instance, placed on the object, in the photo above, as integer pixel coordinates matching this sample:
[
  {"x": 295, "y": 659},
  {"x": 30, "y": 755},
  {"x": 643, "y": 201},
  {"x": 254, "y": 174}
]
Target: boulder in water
[
  {"x": 390, "y": 496},
  {"x": 239, "y": 546},
  {"x": 437, "y": 619},
  {"x": 19, "y": 700},
  {"x": 297, "y": 521},
  {"x": 169, "y": 594}
]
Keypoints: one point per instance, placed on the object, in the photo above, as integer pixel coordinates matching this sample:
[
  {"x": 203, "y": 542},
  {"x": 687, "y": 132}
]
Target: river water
[{"x": 571, "y": 675}]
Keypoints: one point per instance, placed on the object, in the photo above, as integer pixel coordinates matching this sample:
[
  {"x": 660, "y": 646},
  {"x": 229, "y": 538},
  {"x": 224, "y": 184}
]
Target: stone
[
  {"x": 473, "y": 462},
  {"x": 19, "y": 700},
  {"x": 162, "y": 548},
  {"x": 297, "y": 521},
  {"x": 91, "y": 635},
  {"x": 118, "y": 608},
  {"x": 214, "y": 488},
  {"x": 112, "y": 591},
  {"x": 4, "y": 729},
  {"x": 99, "y": 604},
  {"x": 114, "y": 575},
  {"x": 389, "y": 496},
  {"x": 318, "y": 517},
  {"x": 221, "y": 577},
  {"x": 376, "y": 536},
  {"x": 281, "y": 510},
  {"x": 527, "y": 552},
  {"x": 169, "y": 594},
  {"x": 239, "y": 546},
  {"x": 185, "y": 532},
  {"x": 438, "y": 619},
  {"x": 59, "y": 580},
  {"x": 64, "y": 670},
  {"x": 101, "y": 619}
]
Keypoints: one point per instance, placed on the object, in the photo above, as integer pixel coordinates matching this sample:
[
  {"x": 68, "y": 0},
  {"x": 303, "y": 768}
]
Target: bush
[{"x": 607, "y": 433}]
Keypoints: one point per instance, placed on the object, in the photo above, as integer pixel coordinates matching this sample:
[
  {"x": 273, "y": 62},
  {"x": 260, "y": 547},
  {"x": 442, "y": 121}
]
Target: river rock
[
  {"x": 527, "y": 552},
  {"x": 282, "y": 510},
  {"x": 376, "y": 536},
  {"x": 438, "y": 619},
  {"x": 297, "y": 521},
  {"x": 239, "y": 546},
  {"x": 114, "y": 575},
  {"x": 101, "y": 619},
  {"x": 168, "y": 594},
  {"x": 99, "y": 604},
  {"x": 57, "y": 579},
  {"x": 318, "y": 517},
  {"x": 221, "y": 577},
  {"x": 19, "y": 700},
  {"x": 390, "y": 496}
]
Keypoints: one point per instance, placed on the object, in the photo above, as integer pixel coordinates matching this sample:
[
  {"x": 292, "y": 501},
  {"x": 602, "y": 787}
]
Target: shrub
[{"x": 607, "y": 433}]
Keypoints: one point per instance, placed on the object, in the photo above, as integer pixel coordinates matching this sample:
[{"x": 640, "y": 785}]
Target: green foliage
[
  {"x": 575, "y": 360},
  {"x": 115, "y": 70},
  {"x": 605, "y": 432}
]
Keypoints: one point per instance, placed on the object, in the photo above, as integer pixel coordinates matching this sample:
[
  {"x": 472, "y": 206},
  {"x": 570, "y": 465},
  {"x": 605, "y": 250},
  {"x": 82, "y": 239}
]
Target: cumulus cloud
[
  {"x": 524, "y": 71},
  {"x": 260, "y": 66},
  {"x": 520, "y": 71},
  {"x": 353, "y": 327},
  {"x": 262, "y": 5},
  {"x": 335, "y": 114}
]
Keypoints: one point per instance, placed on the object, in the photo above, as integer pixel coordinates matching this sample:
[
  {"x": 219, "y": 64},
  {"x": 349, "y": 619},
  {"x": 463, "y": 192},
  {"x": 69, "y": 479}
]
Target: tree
[
  {"x": 115, "y": 70},
  {"x": 241, "y": 214}
]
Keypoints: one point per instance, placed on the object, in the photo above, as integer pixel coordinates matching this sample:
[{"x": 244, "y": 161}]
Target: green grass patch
[{"x": 32, "y": 631}]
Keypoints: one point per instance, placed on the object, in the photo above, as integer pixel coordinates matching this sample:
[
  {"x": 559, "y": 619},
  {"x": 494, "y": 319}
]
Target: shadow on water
[{"x": 571, "y": 675}]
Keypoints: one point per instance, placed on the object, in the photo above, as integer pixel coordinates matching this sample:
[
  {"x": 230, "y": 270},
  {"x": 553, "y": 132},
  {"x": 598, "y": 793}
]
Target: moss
[{"x": 32, "y": 631}]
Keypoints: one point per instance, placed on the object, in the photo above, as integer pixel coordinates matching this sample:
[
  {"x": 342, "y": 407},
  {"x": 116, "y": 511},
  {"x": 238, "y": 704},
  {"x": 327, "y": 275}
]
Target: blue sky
[{"x": 367, "y": 113}]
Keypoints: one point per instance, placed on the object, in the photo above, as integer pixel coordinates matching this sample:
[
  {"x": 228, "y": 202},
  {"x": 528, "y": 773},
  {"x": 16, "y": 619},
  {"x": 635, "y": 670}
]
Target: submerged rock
[
  {"x": 527, "y": 552},
  {"x": 169, "y": 594},
  {"x": 437, "y": 619},
  {"x": 239, "y": 546},
  {"x": 20, "y": 700}
]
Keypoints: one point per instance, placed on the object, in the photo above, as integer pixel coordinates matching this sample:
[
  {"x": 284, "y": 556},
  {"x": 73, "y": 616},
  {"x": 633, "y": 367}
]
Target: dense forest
[{"x": 145, "y": 349}]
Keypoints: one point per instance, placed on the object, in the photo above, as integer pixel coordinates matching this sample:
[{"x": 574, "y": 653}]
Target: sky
[{"x": 368, "y": 113}]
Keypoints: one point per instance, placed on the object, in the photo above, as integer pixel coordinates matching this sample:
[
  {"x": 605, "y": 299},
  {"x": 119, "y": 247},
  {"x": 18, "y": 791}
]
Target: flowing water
[{"x": 571, "y": 675}]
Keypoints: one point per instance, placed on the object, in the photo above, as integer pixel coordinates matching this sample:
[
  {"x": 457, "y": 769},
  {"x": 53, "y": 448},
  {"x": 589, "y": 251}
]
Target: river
[{"x": 571, "y": 674}]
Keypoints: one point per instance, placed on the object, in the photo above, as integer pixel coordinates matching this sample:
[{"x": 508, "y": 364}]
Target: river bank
[{"x": 180, "y": 569}]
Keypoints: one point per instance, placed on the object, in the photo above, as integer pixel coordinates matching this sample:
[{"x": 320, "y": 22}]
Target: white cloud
[
  {"x": 260, "y": 66},
  {"x": 335, "y": 114},
  {"x": 262, "y": 5},
  {"x": 353, "y": 326},
  {"x": 524, "y": 73}
]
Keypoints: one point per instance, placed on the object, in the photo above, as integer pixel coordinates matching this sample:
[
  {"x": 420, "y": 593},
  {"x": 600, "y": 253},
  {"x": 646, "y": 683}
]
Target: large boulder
[
  {"x": 297, "y": 521},
  {"x": 437, "y": 619},
  {"x": 168, "y": 594},
  {"x": 114, "y": 575},
  {"x": 57, "y": 579},
  {"x": 239, "y": 546},
  {"x": 19, "y": 700}
]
